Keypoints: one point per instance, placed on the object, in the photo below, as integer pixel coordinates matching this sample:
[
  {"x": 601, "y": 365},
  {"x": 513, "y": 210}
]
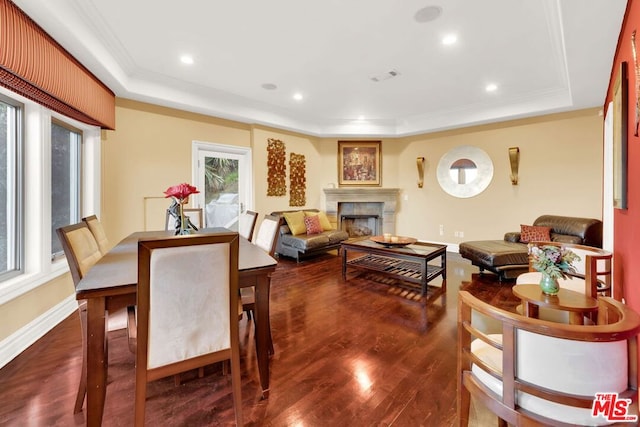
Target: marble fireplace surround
[{"x": 360, "y": 201}]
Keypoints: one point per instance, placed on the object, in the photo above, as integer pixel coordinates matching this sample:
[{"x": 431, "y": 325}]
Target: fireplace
[
  {"x": 360, "y": 225},
  {"x": 364, "y": 211}
]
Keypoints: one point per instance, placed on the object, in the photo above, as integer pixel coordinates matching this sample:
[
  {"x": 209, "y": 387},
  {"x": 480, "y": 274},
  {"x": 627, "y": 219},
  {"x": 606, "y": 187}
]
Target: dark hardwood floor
[{"x": 361, "y": 352}]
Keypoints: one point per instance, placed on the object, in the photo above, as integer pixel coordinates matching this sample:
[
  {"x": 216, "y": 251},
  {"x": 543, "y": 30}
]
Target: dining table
[{"x": 111, "y": 285}]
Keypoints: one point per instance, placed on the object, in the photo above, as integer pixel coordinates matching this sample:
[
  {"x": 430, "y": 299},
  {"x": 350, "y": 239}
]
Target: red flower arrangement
[{"x": 180, "y": 194}]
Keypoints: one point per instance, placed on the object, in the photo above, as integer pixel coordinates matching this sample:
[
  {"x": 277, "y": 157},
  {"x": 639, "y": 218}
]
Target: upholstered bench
[{"x": 508, "y": 258}]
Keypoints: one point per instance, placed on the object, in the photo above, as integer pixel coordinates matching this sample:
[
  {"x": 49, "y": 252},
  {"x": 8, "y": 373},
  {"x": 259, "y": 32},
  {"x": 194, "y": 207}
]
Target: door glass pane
[{"x": 221, "y": 192}]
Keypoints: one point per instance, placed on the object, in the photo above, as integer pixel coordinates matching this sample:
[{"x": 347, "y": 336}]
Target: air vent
[{"x": 385, "y": 76}]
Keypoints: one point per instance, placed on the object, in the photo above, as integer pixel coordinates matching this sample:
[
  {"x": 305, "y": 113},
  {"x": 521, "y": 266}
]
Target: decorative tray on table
[{"x": 394, "y": 241}]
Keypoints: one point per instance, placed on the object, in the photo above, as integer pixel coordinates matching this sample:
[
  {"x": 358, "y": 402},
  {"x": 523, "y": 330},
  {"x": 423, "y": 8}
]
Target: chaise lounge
[{"x": 508, "y": 258}]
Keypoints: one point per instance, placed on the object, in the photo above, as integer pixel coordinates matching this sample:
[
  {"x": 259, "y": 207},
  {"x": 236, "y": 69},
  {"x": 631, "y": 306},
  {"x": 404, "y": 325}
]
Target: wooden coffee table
[{"x": 409, "y": 263}]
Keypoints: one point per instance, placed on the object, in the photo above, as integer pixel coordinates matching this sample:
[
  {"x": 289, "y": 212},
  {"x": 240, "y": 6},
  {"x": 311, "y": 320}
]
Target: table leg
[
  {"x": 262, "y": 331},
  {"x": 344, "y": 263},
  {"x": 424, "y": 272},
  {"x": 576, "y": 318},
  {"x": 530, "y": 310},
  {"x": 97, "y": 360}
]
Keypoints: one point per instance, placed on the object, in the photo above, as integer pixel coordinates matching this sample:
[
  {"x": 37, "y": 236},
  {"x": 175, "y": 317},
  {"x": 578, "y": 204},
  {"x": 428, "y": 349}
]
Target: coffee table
[{"x": 409, "y": 263}]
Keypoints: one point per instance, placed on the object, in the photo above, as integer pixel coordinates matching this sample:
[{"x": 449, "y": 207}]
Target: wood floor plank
[{"x": 368, "y": 351}]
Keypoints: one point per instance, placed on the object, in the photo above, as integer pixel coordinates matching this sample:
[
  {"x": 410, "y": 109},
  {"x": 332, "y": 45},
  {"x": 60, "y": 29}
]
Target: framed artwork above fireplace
[{"x": 359, "y": 163}]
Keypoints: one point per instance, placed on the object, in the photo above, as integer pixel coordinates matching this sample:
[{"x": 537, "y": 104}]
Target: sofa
[
  {"x": 508, "y": 258},
  {"x": 296, "y": 242}
]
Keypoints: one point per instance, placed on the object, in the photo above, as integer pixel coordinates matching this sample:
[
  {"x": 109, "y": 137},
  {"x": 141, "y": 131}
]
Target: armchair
[{"x": 540, "y": 373}]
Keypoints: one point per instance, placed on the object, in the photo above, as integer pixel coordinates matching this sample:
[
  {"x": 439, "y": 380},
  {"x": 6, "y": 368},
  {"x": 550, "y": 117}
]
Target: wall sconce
[
  {"x": 514, "y": 159},
  {"x": 420, "y": 164}
]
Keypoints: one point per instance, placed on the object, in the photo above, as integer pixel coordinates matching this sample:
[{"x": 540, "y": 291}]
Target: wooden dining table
[{"x": 111, "y": 285}]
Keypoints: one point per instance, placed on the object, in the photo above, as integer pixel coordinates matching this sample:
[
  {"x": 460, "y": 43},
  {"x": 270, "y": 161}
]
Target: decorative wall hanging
[
  {"x": 636, "y": 67},
  {"x": 620, "y": 120},
  {"x": 359, "y": 163},
  {"x": 420, "y": 165},
  {"x": 276, "y": 172},
  {"x": 297, "y": 176},
  {"x": 514, "y": 159},
  {"x": 465, "y": 171}
]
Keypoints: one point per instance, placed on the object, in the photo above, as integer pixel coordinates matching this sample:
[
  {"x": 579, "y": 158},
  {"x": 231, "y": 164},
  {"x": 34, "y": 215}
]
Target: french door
[{"x": 222, "y": 173}]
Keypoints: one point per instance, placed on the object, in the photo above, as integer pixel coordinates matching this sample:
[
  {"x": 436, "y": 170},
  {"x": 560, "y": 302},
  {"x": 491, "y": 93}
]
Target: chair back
[
  {"x": 267, "y": 236},
  {"x": 95, "y": 226},
  {"x": 187, "y": 308},
  {"x": 80, "y": 248},
  {"x": 247, "y": 223},
  {"x": 194, "y": 215},
  {"x": 537, "y": 372}
]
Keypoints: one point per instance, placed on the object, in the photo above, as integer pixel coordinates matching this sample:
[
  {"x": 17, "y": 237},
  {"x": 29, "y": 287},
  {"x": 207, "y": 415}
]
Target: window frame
[
  {"x": 18, "y": 196},
  {"x": 35, "y": 219}
]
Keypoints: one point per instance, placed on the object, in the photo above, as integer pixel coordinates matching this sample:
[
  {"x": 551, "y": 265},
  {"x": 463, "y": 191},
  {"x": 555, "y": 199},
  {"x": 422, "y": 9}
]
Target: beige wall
[{"x": 560, "y": 173}]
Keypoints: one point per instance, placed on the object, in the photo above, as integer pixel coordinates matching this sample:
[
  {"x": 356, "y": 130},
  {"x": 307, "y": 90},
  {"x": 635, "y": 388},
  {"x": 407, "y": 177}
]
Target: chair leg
[
  {"x": 236, "y": 386},
  {"x": 82, "y": 387},
  {"x": 132, "y": 329}
]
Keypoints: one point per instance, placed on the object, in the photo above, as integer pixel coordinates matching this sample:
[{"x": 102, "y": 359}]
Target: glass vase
[
  {"x": 184, "y": 223},
  {"x": 549, "y": 285}
]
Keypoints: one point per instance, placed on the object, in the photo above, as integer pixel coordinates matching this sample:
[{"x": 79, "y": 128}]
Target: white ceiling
[{"x": 545, "y": 56}]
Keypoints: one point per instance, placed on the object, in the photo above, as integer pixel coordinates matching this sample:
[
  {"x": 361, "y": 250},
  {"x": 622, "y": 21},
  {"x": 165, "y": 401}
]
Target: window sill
[{"x": 19, "y": 285}]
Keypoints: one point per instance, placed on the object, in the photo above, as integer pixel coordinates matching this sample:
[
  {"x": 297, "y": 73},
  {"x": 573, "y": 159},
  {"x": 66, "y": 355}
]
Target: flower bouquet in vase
[
  {"x": 553, "y": 262},
  {"x": 180, "y": 194}
]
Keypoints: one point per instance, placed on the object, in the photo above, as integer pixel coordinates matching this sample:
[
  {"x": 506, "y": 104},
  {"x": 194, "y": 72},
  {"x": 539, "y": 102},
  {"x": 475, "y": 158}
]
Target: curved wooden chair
[
  {"x": 247, "y": 224},
  {"x": 193, "y": 324},
  {"x": 540, "y": 373},
  {"x": 592, "y": 276}
]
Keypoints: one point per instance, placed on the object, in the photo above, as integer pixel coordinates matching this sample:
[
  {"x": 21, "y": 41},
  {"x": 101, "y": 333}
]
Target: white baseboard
[{"x": 20, "y": 340}]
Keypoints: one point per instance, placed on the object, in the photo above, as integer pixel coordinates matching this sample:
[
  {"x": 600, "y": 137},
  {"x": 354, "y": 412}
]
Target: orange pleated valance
[{"x": 37, "y": 67}]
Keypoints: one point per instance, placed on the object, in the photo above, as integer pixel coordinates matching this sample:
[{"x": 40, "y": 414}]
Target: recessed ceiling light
[
  {"x": 186, "y": 59},
  {"x": 491, "y": 87},
  {"x": 269, "y": 86},
  {"x": 427, "y": 14},
  {"x": 449, "y": 39},
  {"x": 297, "y": 96}
]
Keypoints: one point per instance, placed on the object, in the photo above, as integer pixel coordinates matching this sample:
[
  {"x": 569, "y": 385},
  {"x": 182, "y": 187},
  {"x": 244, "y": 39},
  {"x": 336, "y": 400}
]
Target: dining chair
[
  {"x": 538, "y": 373},
  {"x": 266, "y": 239},
  {"x": 95, "y": 226},
  {"x": 82, "y": 252},
  {"x": 193, "y": 214},
  {"x": 247, "y": 224},
  {"x": 191, "y": 325}
]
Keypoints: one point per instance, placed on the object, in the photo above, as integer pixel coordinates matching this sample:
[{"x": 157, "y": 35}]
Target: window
[
  {"x": 10, "y": 169},
  {"x": 65, "y": 180}
]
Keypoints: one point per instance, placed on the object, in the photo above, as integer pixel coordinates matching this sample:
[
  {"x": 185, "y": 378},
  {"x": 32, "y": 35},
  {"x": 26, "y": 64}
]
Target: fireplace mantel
[{"x": 388, "y": 197}]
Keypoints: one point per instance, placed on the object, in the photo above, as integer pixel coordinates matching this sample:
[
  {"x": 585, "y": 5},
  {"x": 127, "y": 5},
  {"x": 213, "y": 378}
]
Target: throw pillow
[
  {"x": 534, "y": 233},
  {"x": 313, "y": 224},
  {"x": 295, "y": 221},
  {"x": 324, "y": 221}
]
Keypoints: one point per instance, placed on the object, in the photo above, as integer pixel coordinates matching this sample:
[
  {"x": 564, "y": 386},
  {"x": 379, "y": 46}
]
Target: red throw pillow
[
  {"x": 534, "y": 233},
  {"x": 313, "y": 224}
]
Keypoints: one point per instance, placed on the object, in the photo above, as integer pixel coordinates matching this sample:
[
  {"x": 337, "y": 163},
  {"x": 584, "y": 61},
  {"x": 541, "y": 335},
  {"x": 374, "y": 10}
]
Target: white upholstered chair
[
  {"x": 266, "y": 239},
  {"x": 247, "y": 223},
  {"x": 538, "y": 373},
  {"x": 187, "y": 310},
  {"x": 194, "y": 215},
  {"x": 82, "y": 252}
]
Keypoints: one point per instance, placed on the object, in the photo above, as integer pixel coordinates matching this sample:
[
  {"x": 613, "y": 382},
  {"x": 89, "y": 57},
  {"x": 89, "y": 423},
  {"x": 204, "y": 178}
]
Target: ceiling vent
[{"x": 385, "y": 76}]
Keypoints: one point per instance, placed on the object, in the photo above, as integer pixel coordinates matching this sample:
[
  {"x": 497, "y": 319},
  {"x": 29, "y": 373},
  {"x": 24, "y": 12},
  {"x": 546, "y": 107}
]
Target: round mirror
[{"x": 465, "y": 171}]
